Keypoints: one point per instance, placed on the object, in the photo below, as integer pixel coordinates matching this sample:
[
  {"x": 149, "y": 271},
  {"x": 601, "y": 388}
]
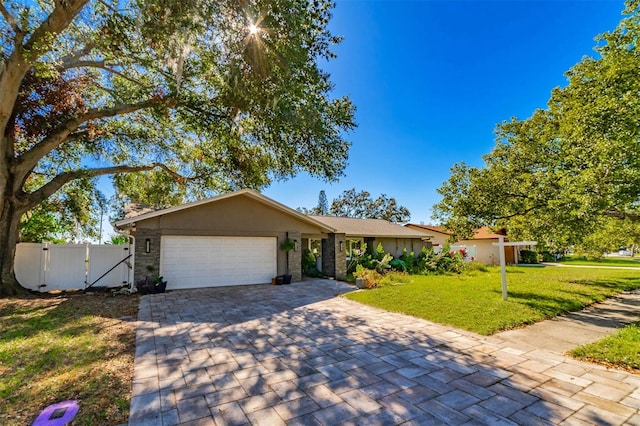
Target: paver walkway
[{"x": 298, "y": 355}]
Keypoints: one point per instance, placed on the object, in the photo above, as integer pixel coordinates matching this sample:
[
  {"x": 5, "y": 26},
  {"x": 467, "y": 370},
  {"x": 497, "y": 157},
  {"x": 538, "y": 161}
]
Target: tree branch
[
  {"x": 622, "y": 215},
  {"x": 59, "y": 19},
  {"x": 522, "y": 213},
  {"x": 44, "y": 192},
  {"x": 103, "y": 66},
  {"x": 212, "y": 115},
  {"x": 78, "y": 54},
  {"x": 10, "y": 19},
  {"x": 29, "y": 159}
]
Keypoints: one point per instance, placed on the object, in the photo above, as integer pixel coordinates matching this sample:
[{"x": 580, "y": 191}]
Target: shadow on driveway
[{"x": 298, "y": 355}]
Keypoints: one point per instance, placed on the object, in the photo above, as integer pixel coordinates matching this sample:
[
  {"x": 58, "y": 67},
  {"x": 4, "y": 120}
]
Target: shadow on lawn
[
  {"x": 220, "y": 351},
  {"x": 621, "y": 284},
  {"x": 62, "y": 348},
  {"x": 547, "y": 305}
]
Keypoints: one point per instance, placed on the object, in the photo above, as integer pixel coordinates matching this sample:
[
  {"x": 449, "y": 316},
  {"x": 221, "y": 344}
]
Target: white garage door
[{"x": 191, "y": 262}]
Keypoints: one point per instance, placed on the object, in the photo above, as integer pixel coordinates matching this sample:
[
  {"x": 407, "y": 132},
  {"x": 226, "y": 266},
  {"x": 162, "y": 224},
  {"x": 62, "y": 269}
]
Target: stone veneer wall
[
  {"x": 143, "y": 259},
  {"x": 295, "y": 257},
  {"x": 334, "y": 260}
]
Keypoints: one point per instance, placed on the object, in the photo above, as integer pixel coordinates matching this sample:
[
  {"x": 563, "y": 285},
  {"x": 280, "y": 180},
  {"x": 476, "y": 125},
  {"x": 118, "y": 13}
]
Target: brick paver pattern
[{"x": 298, "y": 355}]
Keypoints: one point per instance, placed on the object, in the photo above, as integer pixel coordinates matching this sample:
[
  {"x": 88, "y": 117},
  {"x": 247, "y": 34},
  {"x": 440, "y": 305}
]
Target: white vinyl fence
[{"x": 46, "y": 267}]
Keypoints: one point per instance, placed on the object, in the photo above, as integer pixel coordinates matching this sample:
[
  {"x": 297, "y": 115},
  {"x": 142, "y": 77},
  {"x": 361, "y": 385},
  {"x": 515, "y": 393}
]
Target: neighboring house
[
  {"x": 230, "y": 239},
  {"x": 393, "y": 237},
  {"x": 481, "y": 243}
]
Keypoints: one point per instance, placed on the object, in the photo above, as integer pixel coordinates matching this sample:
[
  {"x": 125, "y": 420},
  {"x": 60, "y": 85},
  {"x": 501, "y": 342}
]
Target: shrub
[
  {"x": 427, "y": 262},
  {"x": 528, "y": 256},
  {"x": 309, "y": 264},
  {"x": 410, "y": 261},
  {"x": 151, "y": 285},
  {"x": 398, "y": 265},
  {"x": 383, "y": 265},
  {"x": 475, "y": 266},
  {"x": 378, "y": 260},
  {"x": 443, "y": 262},
  {"x": 548, "y": 257},
  {"x": 394, "y": 278},
  {"x": 369, "y": 276}
]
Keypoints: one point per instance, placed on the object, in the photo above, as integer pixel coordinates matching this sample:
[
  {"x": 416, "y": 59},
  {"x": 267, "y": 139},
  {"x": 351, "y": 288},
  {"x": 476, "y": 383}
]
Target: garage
[
  {"x": 203, "y": 261},
  {"x": 230, "y": 239}
]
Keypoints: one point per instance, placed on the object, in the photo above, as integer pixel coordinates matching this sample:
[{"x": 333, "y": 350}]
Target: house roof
[
  {"x": 484, "y": 233},
  {"x": 136, "y": 209},
  {"x": 130, "y": 221},
  {"x": 355, "y": 227},
  {"x": 428, "y": 228}
]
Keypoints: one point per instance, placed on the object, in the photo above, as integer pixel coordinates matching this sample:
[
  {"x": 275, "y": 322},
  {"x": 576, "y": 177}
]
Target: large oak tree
[
  {"x": 554, "y": 176},
  {"x": 218, "y": 94}
]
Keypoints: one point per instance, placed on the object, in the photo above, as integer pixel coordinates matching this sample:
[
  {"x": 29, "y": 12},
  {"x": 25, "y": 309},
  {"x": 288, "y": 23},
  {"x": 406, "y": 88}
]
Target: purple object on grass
[{"x": 58, "y": 414}]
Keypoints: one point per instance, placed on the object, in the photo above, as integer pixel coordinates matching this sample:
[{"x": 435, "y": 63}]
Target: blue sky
[{"x": 431, "y": 79}]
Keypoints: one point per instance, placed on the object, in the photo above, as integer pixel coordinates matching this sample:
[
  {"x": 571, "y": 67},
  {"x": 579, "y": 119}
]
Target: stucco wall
[
  {"x": 487, "y": 253},
  {"x": 396, "y": 246},
  {"x": 236, "y": 216},
  {"x": 438, "y": 239}
]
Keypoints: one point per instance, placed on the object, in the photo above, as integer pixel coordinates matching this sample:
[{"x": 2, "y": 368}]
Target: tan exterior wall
[
  {"x": 487, "y": 253},
  {"x": 438, "y": 239},
  {"x": 396, "y": 246},
  {"x": 237, "y": 216}
]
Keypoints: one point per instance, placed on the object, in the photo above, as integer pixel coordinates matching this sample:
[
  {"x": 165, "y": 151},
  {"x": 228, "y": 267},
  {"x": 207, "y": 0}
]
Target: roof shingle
[
  {"x": 484, "y": 233},
  {"x": 369, "y": 227}
]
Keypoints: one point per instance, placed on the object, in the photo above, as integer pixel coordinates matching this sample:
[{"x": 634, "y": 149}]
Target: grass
[
  {"x": 67, "y": 347},
  {"x": 621, "y": 349},
  {"x": 605, "y": 261},
  {"x": 473, "y": 301}
]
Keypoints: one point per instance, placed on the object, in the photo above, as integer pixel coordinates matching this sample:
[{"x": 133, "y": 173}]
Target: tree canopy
[
  {"x": 73, "y": 213},
  {"x": 554, "y": 176},
  {"x": 217, "y": 95},
  {"x": 360, "y": 205}
]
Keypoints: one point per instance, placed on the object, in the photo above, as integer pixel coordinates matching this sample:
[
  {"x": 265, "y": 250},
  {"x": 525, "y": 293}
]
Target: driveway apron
[{"x": 297, "y": 354}]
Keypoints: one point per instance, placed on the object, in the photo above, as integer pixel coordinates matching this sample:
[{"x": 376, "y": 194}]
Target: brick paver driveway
[{"x": 298, "y": 355}]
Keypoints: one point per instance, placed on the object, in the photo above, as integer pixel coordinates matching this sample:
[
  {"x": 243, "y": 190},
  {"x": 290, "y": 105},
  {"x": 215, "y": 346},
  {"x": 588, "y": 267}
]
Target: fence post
[{"x": 44, "y": 265}]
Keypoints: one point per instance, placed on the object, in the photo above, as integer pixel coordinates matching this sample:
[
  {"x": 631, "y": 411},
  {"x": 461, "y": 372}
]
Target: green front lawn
[
  {"x": 78, "y": 347},
  {"x": 621, "y": 349},
  {"x": 473, "y": 301},
  {"x": 605, "y": 261}
]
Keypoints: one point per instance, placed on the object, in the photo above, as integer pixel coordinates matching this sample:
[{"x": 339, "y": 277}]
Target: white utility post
[
  {"x": 503, "y": 263},
  {"x": 503, "y": 267}
]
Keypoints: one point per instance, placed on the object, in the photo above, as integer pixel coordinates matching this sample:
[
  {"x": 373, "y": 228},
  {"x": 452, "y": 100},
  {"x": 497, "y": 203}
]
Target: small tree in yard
[
  {"x": 215, "y": 94},
  {"x": 323, "y": 204}
]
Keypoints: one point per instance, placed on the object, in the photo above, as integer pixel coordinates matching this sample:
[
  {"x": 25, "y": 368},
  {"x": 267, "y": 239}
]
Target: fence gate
[{"x": 46, "y": 267}]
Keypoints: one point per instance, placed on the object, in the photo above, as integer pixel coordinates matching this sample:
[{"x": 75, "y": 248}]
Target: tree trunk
[{"x": 9, "y": 223}]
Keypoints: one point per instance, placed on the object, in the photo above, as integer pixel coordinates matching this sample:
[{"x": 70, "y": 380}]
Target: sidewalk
[
  {"x": 564, "y": 333},
  {"x": 565, "y": 265}
]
